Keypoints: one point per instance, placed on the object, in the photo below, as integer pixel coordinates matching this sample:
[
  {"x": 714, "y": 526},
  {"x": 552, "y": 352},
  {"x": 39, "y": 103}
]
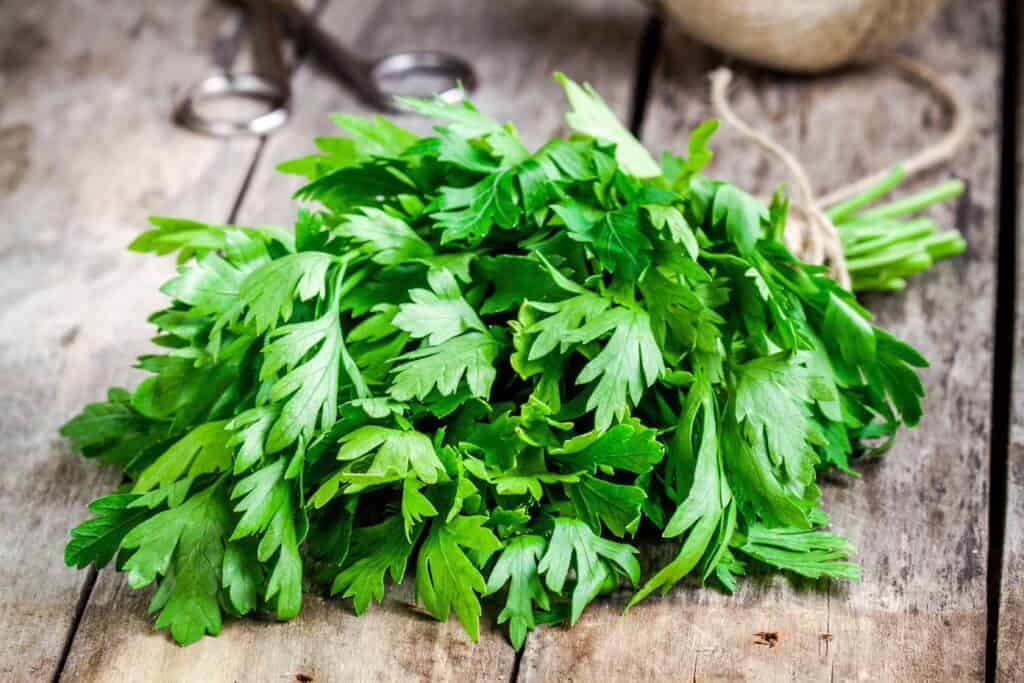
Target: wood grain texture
[
  {"x": 1010, "y": 662},
  {"x": 85, "y": 135},
  {"x": 918, "y": 517},
  {"x": 326, "y": 642},
  {"x": 515, "y": 46}
]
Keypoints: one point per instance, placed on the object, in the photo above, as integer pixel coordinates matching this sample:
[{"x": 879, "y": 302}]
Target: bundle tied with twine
[{"x": 810, "y": 234}]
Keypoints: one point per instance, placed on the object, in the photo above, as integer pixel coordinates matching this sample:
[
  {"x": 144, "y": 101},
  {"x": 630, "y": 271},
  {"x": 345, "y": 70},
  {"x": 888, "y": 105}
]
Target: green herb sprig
[{"x": 494, "y": 368}]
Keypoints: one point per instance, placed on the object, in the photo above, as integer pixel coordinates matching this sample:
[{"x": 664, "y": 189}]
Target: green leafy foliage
[{"x": 477, "y": 360}]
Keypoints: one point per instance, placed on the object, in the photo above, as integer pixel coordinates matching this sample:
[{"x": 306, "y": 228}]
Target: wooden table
[{"x": 87, "y": 152}]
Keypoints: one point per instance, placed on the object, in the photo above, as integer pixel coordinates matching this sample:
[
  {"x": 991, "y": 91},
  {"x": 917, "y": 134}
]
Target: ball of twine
[
  {"x": 801, "y": 35},
  {"x": 809, "y": 233}
]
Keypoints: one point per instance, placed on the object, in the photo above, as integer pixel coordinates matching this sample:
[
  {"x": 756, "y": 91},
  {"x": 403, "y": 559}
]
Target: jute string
[{"x": 809, "y": 234}]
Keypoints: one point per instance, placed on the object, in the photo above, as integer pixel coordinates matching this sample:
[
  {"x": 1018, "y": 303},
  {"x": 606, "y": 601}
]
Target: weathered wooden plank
[
  {"x": 918, "y": 517},
  {"x": 515, "y": 46},
  {"x": 1010, "y": 651},
  {"x": 86, "y": 152},
  {"x": 327, "y": 642}
]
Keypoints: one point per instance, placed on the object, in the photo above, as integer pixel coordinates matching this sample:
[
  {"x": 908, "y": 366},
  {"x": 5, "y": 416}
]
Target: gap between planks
[
  {"x": 76, "y": 619},
  {"x": 1005, "y": 326}
]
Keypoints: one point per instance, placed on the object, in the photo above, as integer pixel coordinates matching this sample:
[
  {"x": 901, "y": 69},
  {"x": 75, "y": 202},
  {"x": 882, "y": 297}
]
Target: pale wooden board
[
  {"x": 515, "y": 46},
  {"x": 919, "y": 517},
  {"x": 86, "y": 153},
  {"x": 1010, "y": 660}
]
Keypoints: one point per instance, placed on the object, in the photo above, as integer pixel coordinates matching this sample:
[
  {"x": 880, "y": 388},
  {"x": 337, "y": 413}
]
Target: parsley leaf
[
  {"x": 185, "y": 546},
  {"x": 446, "y": 578},
  {"x": 271, "y": 291},
  {"x": 267, "y": 504},
  {"x": 626, "y": 446},
  {"x": 309, "y": 388},
  {"x": 630, "y": 362},
  {"x": 376, "y": 550},
  {"x": 591, "y": 116},
  {"x": 203, "y": 450},
  {"x": 388, "y": 240},
  {"x": 468, "y": 213},
  {"x": 517, "y": 567},
  {"x": 616, "y": 237},
  {"x": 437, "y": 315},
  {"x": 443, "y": 367},
  {"x": 616, "y": 506},
  {"x": 702, "y": 514},
  {"x": 595, "y": 559},
  {"x": 809, "y": 553},
  {"x": 97, "y": 540},
  {"x": 381, "y": 455},
  {"x": 741, "y": 215}
]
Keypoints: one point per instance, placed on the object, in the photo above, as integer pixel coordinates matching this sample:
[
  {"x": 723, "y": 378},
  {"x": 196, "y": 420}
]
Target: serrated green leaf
[
  {"x": 627, "y": 446},
  {"x": 741, "y": 214},
  {"x": 591, "y": 116},
  {"x": 447, "y": 580},
  {"x": 376, "y": 550},
  {"x": 96, "y": 540},
  {"x": 205, "y": 449},
  {"x": 517, "y": 567},
  {"x": 185, "y": 546},
  {"x": 469, "y": 356},
  {"x": 388, "y": 240},
  {"x": 595, "y": 560},
  {"x": 242, "y": 577},
  {"x": 600, "y": 502}
]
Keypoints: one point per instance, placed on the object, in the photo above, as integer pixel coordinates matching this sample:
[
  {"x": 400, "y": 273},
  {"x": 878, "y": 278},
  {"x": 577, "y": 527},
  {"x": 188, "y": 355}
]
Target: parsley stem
[
  {"x": 840, "y": 212},
  {"x": 883, "y": 277},
  {"x": 351, "y": 281},
  {"x": 916, "y": 263},
  {"x": 916, "y": 202},
  {"x": 854, "y": 233},
  {"x": 921, "y": 227},
  {"x": 883, "y": 283},
  {"x": 945, "y": 244},
  {"x": 885, "y": 258}
]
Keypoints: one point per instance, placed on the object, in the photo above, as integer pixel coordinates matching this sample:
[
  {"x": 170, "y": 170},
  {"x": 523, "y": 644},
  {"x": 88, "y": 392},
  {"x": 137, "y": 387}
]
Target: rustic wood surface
[{"x": 87, "y": 151}]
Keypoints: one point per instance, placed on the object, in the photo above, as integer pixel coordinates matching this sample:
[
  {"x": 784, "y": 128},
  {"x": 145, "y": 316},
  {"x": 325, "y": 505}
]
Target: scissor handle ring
[
  {"x": 243, "y": 85},
  {"x": 457, "y": 70}
]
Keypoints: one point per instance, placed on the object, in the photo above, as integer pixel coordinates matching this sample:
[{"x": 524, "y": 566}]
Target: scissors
[{"x": 376, "y": 81}]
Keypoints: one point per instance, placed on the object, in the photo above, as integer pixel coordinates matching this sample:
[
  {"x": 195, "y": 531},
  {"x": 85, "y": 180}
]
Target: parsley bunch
[{"x": 490, "y": 368}]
